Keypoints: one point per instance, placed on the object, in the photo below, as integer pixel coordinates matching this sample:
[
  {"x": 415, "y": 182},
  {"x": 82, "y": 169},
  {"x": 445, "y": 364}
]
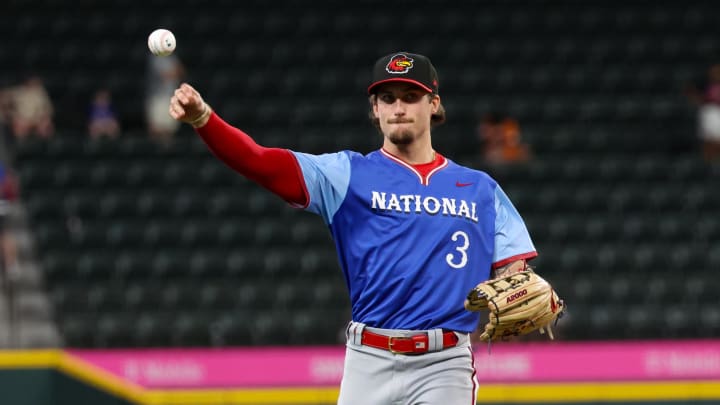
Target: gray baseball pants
[{"x": 378, "y": 377}]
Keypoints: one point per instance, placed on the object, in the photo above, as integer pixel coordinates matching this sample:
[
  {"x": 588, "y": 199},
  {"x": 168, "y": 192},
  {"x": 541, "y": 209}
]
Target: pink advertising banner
[{"x": 323, "y": 366}]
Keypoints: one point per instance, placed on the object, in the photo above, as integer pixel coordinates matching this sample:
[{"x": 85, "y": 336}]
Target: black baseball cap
[{"x": 405, "y": 67}]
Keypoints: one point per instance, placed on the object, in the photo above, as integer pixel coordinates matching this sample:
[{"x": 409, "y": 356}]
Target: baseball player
[{"x": 414, "y": 232}]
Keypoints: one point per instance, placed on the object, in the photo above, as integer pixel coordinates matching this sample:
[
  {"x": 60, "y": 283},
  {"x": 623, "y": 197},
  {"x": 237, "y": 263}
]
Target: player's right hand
[{"x": 186, "y": 105}]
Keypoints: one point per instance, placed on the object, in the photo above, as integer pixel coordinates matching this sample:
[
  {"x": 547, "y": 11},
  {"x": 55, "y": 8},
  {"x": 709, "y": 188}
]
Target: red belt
[{"x": 417, "y": 344}]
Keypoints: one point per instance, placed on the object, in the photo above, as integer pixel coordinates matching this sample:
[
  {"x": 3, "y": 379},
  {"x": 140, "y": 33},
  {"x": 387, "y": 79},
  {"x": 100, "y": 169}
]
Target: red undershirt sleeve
[
  {"x": 524, "y": 256},
  {"x": 275, "y": 169}
]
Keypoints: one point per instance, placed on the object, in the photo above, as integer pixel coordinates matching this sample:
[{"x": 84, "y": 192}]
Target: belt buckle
[
  {"x": 390, "y": 345},
  {"x": 419, "y": 345}
]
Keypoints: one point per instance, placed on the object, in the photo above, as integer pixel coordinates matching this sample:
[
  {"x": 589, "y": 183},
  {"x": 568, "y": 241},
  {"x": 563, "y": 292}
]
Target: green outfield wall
[{"x": 50, "y": 387}]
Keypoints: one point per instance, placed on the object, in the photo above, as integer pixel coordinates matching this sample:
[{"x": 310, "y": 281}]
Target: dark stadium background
[{"x": 128, "y": 243}]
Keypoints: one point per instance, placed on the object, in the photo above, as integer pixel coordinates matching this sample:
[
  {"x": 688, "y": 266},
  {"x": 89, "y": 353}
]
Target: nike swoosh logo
[{"x": 458, "y": 184}]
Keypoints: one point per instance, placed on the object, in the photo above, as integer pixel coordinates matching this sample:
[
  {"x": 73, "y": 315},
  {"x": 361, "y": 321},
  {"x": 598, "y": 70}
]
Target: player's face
[{"x": 404, "y": 112}]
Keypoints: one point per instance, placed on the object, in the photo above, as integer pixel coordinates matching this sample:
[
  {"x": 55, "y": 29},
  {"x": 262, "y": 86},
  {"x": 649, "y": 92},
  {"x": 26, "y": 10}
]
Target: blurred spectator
[
  {"x": 163, "y": 76},
  {"x": 705, "y": 94},
  {"x": 28, "y": 109},
  {"x": 102, "y": 120},
  {"x": 500, "y": 140},
  {"x": 9, "y": 193},
  {"x": 5, "y": 111}
]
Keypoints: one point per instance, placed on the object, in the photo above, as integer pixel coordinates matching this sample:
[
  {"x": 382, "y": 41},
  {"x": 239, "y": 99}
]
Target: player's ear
[
  {"x": 373, "y": 112},
  {"x": 374, "y": 106},
  {"x": 435, "y": 101}
]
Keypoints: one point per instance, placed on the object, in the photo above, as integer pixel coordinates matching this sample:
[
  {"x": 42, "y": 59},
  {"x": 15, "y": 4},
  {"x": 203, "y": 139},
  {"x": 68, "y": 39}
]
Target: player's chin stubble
[{"x": 401, "y": 137}]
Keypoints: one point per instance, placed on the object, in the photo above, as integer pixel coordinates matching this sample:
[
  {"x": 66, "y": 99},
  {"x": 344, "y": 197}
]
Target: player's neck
[{"x": 413, "y": 154}]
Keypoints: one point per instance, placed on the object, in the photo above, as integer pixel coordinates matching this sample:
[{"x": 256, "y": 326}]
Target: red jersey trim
[
  {"x": 511, "y": 259},
  {"x": 424, "y": 180},
  {"x": 473, "y": 378},
  {"x": 302, "y": 183},
  {"x": 433, "y": 171}
]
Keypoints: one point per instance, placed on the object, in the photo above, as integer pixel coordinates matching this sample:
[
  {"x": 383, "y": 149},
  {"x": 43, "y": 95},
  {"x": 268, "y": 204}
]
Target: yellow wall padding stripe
[
  {"x": 75, "y": 368},
  {"x": 509, "y": 393},
  {"x": 29, "y": 358},
  {"x": 100, "y": 379},
  {"x": 243, "y": 396}
]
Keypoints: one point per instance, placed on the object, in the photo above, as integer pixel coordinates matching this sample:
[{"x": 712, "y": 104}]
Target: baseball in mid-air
[{"x": 161, "y": 42}]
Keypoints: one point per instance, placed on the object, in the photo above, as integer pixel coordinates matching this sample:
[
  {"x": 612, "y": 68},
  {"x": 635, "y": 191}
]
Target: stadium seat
[
  {"x": 93, "y": 265},
  {"x": 207, "y": 263},
  {"x": 232, "y": 329},
  {"x": 268, "y": 328},
  {"x": 187, "y": 204},
  {"x": 607, "y": 321},
  {"x": 280, "y": 262},
  {"x": 329, "y": 294},
  {"x": 114, "y": 330},
  {"x": 198, "y": 233},
  {"x": 170, "y": 262},
  {"x": 563, "y": 229},
  {"x": 318, "y": 264},
  {"x": 707, "y": 229},
  {"x": 153, "y": 204},
  {"x": 257, "y": 296},
  {"x": 244, "y": 264},
  {"x": 190, "y": 330},
  {"x": 143, "y": 297},
  {"x": 151, "y": 329},
  {"x": 644, "y": 321},
  {"x": 115, "y": 205},
  {"x": 108, "y": 297},
  {"x": 58, "y": 265},
  {"x": 161, "y": 234},
  {"x": 71, "y": 298},
  {"x": 218, "y": 296},
  {"x": 710, "y": 317}
]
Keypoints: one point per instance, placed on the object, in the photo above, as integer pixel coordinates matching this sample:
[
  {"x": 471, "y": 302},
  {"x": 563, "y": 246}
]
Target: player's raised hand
[{"x": 186, "y": 105}]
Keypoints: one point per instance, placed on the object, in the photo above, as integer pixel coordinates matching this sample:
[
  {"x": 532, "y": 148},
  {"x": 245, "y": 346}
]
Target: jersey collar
[{"x": 423, "y": 177}]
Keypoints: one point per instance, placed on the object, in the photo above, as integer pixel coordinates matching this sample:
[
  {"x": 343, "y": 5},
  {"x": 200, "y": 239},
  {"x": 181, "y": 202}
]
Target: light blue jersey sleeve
[
  {"x": 326, "y": 178},
  {"x": 511, "y": 236}
]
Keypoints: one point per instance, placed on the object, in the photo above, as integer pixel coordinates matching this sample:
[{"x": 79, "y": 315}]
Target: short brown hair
[{"x": 435, "y": 119}]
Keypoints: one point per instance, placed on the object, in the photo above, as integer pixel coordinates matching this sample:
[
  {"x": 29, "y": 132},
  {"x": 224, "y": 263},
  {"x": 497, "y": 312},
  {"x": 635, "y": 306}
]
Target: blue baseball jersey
[{"x": 411, "y": 247}]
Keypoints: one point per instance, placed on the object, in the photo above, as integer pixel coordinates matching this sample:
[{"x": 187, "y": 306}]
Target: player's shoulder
[
  {"x": 340, "y": 155},
  {"x": 343, "y": 159},
  {"x": 477, "y": 174},
  {"x": 360, "y": 158}
]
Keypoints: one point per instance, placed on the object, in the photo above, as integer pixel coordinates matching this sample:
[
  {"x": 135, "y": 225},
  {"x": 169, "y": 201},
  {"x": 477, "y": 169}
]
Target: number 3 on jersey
[{"x": 462, "y": 250}]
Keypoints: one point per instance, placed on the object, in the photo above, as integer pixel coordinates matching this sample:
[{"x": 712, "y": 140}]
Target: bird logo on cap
[{"x": 399, "y": 64}]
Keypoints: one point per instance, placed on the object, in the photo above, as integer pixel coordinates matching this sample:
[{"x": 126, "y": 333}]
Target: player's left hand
[{"x": 518, "y": 304}]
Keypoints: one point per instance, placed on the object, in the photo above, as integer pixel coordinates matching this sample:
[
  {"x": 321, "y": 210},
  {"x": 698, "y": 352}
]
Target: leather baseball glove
[{"x": 518, "y": 304}]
